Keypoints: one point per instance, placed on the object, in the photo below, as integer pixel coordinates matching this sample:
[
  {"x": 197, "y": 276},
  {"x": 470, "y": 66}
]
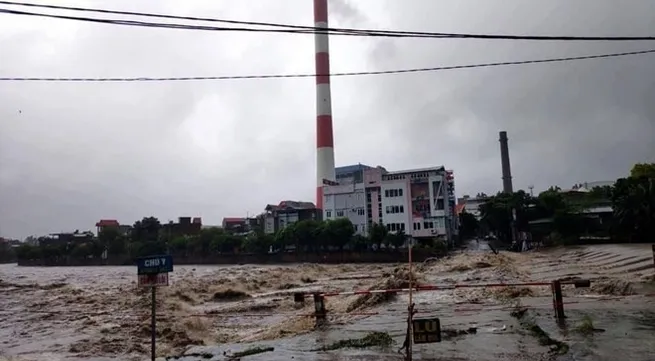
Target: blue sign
[{"x": 154, "y": 264}]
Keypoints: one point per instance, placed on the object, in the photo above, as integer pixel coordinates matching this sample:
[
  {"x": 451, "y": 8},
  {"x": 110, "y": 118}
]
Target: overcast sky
[{"x": 72, "y": 153}]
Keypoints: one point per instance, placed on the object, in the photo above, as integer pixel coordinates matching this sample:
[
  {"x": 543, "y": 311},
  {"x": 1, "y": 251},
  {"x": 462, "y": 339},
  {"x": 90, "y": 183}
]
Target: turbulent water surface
[{"x": 211, "y": 312}]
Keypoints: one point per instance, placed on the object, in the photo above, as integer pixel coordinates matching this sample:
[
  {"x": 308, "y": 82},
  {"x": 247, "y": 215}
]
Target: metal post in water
[
  {"x": 558, "y": 303},
  {"x": 153, "y": 323},
  {"x": 410, "y": 307},
  {"x": 319, "y": 310}
]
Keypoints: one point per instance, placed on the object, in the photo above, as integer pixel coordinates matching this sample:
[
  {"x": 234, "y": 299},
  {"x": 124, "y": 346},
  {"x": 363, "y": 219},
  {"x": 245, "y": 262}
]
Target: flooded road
[{"x": 212, "y": 312}]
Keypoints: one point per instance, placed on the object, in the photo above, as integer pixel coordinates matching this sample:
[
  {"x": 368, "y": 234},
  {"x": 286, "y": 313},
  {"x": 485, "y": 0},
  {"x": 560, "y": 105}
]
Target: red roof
[
  {"x": 107, "y": 223},
  {"x": 233, "y": 220},
  {"x": 459, "y": 208}
]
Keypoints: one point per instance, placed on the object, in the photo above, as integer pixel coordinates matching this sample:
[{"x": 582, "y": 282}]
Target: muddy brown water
[{"x": 97, "y": 314}]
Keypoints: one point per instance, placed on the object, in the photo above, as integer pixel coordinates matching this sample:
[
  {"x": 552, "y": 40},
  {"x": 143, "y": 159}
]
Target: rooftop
[
  {"x": 291, "y": 205},
  {"x": 351, "y": 168},
  {"x": 418, "y": 170},
  {"x": 107, "y": 223}
]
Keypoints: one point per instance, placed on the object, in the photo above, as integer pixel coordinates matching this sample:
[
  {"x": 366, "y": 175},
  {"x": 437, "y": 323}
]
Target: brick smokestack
[
  {"x": 324, "y": 136},
  {"x": 504, "y": 161}
]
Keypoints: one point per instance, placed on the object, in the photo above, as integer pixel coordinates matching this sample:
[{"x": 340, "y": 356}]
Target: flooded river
[{"x": 212, "y": 312}]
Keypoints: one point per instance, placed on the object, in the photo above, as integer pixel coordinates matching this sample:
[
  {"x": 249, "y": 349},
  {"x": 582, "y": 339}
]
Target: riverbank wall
[{"x": 418, "y": 255}]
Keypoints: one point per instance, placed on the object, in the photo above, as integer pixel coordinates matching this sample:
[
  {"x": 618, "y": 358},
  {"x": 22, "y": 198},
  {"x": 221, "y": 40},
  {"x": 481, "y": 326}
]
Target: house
[
  {"x": 235, "y": 224},
  {"x": 277, "y": 217},
  {"x": 104, "y": 224},
  {"x": 185, "y": 226}
]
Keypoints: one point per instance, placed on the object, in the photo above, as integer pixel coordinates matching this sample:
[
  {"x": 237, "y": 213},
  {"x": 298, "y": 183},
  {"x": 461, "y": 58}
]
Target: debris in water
[
  {"x": 288, "y": 286},
  {"x": 510, "y": 293},
  {"x": 229, "y": 295},
  {"x": 447, "y": 333},
  {"x": 537, "y": 332},
  {"x": 613, "y": 287},
  {"x": 373, "y": 339},
  {"x": 460, "y": 268},
  {"x": 586, "y": 326},
  {"x": 251, "y": 351},
  {"x": 399, "y": 279}
]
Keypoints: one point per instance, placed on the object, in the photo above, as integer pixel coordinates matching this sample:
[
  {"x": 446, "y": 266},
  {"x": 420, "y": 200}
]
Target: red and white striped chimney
[{"x": 324, "y": 137}]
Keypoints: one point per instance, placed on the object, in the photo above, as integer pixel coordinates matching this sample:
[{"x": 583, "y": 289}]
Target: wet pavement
[{"x": 620, "y": 304}]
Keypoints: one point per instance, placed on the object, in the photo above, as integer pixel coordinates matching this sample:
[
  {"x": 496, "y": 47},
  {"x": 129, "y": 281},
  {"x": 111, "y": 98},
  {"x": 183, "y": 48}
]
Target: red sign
[{"x": 156, "y": 280}]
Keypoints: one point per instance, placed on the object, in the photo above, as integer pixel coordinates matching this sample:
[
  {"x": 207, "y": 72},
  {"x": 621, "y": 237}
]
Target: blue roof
[{"x": 351, "y": 168}]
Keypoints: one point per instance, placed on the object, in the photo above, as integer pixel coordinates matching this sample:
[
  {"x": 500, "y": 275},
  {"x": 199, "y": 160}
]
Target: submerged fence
[{"x": 320, "y": 310}]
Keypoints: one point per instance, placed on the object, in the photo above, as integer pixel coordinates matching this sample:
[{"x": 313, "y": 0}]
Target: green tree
[
  {"x": 359, "y": 243},
  {"x": 341, "y": 231},
  {"x": 145, "y": 235},
  {"x": 643, "y": 170},
  {"x": 307, "y": 234},
  {"x": 377, "y": 234},
  {"x": 633, "y": 201},
  {"x": 179, "y": 246},
  {"x": 28, "y": 252},
  {"x": 206, "y": 242},
  {"x": 468, "y": 225},
  {"x": 497, "y": 214},
  {"x": 113, "y": 241},
  {"x": 286, "y": 237},
  {"x": 258, "y": 242},
  {"x": 397, "y": 239}
]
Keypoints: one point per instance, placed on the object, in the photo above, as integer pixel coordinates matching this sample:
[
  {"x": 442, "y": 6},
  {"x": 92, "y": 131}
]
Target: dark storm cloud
[
  {"x": 73, "y": 153},
  {"x": 567, "y": 122}
]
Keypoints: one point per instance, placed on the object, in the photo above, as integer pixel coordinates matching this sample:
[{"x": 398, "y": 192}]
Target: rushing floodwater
[{"x": 98, "y": 314}]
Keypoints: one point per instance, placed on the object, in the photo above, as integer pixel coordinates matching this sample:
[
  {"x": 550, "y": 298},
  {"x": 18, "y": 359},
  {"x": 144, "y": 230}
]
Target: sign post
[
  {"x": 426, "y": 330},
  {"x": 153, "y": 272}
]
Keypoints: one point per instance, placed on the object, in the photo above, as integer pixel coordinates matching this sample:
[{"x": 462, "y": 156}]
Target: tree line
[
  {"x": 148, "y": 236},
  {"x": 564, "y": 217},
  {"x": 633, "y": 220}
]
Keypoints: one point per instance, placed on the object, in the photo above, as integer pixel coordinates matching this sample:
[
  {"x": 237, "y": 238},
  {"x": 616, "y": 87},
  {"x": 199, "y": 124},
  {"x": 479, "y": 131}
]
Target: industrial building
[{"x": 419, "y": 202}]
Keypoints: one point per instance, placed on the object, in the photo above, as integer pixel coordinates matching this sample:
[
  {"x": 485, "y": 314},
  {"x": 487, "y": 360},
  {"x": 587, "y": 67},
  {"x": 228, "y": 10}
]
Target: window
[
  {"x": 388, "y": 209},
  {"x": 428, "y": 225},
  {"x": 402, "y": 227},
  {"x": 355, "y": 227},
  {"x": 402, "y": 209},
  {"x": 339, "y": 213},
  {"x": 386, "y": 193},
  {"x": 361, "y": 212},
  {"x": 328, "y": 214},
  {"x": 440, "y": 204},
  {"x": 400, "y": 192},
  {"x": 417, "y": 226}
]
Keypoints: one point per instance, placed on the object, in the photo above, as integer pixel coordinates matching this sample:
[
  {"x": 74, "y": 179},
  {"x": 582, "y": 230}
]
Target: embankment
[{"x": 418, "y": 255}]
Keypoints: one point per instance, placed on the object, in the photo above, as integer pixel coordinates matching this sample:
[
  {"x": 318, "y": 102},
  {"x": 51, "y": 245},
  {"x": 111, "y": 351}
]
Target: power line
[
  {"x": 297, "y": 29},
  {"x": 277, "y": 76}
]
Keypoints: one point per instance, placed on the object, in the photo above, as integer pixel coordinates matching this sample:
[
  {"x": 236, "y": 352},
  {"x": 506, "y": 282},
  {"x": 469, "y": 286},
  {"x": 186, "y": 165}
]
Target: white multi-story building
[
  {"x": 472, "y": 204},
  {"x": 419, "y": 202}
]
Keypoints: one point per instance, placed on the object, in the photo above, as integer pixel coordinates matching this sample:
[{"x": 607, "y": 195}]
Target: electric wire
[
  {"x": 288, "y": 28},
  {"x": 308, "y": 75}
]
